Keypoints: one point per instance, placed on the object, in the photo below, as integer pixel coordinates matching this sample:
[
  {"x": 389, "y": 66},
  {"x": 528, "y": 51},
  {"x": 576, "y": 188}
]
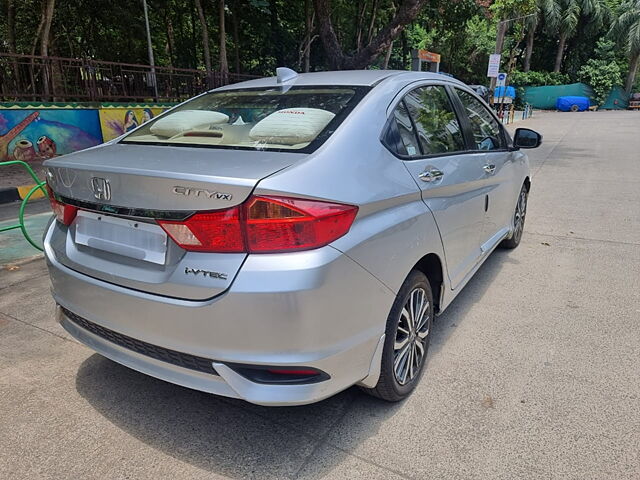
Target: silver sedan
[{"x": 282, "y": 239}]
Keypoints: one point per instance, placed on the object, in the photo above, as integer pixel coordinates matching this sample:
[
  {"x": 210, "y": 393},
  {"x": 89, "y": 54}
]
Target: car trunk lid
[{"x": 121, "y": 190}]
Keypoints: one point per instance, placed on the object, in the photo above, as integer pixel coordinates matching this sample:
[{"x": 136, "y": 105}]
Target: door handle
[
  {"x": 490, "y": 168},
  {"x": 431, "y": 175}
]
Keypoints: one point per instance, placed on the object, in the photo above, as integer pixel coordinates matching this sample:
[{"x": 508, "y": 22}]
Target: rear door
[
  {"x": 451, "y": 178},
  {"x": 498, "y": 169}
]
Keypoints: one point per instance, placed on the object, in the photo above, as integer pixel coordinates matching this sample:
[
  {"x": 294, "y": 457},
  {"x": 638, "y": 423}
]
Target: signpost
[
  {"x": 494, "y": 65},
  {"x": 424, "y": 56},
  {"x": 501, "y": 79}
]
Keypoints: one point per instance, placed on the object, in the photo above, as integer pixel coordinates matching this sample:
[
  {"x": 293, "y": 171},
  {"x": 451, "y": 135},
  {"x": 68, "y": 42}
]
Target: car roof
[{"x": 342, "y": 77}]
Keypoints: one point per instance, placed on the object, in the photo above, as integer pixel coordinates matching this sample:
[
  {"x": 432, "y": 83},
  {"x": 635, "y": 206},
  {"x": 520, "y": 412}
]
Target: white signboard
[
  {"x": 501, "y": 79},
  {"x": 494, "y": 65}
]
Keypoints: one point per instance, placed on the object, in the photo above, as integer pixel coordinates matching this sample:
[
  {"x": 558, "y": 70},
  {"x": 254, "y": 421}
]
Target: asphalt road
[{"x": 534, "y": 371}]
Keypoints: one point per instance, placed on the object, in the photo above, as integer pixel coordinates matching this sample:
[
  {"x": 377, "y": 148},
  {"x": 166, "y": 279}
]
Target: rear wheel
[
  {"x": 518, "y": 220},
  {"x": 407, "y": 340}
]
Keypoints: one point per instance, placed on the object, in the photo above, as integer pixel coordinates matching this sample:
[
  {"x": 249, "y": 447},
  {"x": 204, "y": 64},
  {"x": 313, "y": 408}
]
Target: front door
[{"x": 498, "y": 168}]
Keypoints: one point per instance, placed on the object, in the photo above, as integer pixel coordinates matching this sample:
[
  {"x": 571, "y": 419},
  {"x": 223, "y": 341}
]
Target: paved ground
[{"x": 533, "y": 372}]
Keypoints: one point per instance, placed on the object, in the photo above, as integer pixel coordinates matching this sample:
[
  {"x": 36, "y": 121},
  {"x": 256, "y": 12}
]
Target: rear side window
[
  {"x": 487, "y": 134},
  {"x": 401, "y": 136},
  {"x": 436, "y": 122},
  {"x": 298, "y": 119}
]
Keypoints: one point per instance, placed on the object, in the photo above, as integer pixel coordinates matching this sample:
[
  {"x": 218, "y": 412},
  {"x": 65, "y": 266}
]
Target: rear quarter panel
[{"x": 394, "y": 229}]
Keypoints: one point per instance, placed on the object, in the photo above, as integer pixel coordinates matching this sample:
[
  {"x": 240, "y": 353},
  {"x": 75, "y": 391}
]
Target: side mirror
[{"x": 526, "y": 138}]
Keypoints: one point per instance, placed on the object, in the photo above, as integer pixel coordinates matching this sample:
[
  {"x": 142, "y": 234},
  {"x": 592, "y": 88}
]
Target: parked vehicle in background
[
  {"x": 282, "y": 239},
  {"x": 482, "y": 91}
]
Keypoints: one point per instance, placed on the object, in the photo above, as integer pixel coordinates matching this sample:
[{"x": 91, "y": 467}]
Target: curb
[{"x": 13, "y": 194}]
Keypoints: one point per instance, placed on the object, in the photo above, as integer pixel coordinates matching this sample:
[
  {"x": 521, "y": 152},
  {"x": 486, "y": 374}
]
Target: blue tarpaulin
[
  {"x": 571, "y": 103},
  {"x": 501, "y": 92}
]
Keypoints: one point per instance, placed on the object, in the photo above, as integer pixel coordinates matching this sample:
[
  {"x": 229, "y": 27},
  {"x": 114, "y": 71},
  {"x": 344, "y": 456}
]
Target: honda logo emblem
[{"x": 101, "y": 188}]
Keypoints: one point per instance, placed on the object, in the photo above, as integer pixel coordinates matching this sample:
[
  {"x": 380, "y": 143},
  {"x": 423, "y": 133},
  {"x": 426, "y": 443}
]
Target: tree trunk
[
  {"x": 276, "y": 32},
  {"x": 46, "y": 29},
  {"x": 205, "y": 42},
  {"x": 633, "y": 68},
  {"x": 36, "y": 38},
  {"x": 236, "y": 35},
  {"x": 560, "y": 52},
  {"x": 307, "y": 40},
  {"x": 11, "y": 39},
  {"x": 11, "y": 26},
  {"x": 372, "y": 23},
  {"x": 171, "y": 40},
  {"x": 361, "y": 7},
  {"x": 527, "y": 58},
  {"x": 224, "y": 64},
  {"x": 338, "y": 60},
  {"x": 385, "y": 64}
]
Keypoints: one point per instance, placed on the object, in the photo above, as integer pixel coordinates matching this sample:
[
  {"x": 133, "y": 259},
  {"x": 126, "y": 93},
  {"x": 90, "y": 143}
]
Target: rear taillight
[
  {"x": 264, "y": 225},
  {"x": 64, "y": 213},
  {"x": 219, "y": 231}
]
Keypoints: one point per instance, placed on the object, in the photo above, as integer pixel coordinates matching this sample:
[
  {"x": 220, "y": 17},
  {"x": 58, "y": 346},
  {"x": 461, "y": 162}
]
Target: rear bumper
[{"x": 315, "y": 309}]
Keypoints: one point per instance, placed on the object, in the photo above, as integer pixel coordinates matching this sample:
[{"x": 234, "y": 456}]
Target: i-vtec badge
[
  {"x": 204, "y": 273},
  {"x": 200, "y": 192}
]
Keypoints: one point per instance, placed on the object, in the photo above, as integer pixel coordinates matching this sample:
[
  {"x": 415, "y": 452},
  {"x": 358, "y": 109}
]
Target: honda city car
[{"x": 283, "y": 239}]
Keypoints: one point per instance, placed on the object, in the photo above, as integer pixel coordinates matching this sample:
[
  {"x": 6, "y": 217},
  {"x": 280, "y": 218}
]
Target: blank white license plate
[{"x": 139, "y": 240}]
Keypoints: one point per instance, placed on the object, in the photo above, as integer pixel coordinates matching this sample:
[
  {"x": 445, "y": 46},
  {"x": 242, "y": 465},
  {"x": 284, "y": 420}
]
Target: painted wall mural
[
  {"x": 116, "y": 121},
  {"x": 37, "y": 132},
  {"x": 29, "y": 134}
]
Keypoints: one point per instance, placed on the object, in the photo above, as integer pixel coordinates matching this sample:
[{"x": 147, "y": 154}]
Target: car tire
[
  {"x": 519, "y": 217},
  {"x": 398, "y": 377}
]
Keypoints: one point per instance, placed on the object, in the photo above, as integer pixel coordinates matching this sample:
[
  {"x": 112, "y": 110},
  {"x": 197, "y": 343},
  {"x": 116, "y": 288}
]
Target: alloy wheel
[
  {"x": 521, "y": 211},
  {"x": 413, "y": 328}
]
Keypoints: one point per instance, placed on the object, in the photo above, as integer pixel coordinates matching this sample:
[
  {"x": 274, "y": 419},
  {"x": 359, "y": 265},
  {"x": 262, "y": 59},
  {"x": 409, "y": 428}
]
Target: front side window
[
  {"x": 436, "y": 122},
  {"x": 298, "y": 119},
  {"x": 487, "y": 134}
]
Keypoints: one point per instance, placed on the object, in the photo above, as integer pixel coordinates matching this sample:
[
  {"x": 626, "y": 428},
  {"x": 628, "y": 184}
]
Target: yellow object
[{"x": 22, "y": 191}]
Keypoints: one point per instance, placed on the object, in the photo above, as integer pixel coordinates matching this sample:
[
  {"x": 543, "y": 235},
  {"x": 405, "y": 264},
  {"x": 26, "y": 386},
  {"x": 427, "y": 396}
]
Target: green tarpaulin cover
[{"x": 545, "y": 97}]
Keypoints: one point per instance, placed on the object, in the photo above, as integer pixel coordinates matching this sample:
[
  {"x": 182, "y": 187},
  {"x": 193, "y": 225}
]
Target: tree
[
  {"x": 571, "y": 11},
  {"x": 49, "y": 9},
  {"x": 377, "y": 44},
  {"x": 547, "y": 11},
  {"x": 602, "y": 72},
  {"x": 626, "y": 31},
  {"x": 224, "y": 65},
  {"x": 205, "y": 38}
]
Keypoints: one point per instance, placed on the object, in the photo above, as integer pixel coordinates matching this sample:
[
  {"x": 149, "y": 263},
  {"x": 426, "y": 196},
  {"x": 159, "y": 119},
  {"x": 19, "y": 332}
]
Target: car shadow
[{"x": 240, "y": 440}]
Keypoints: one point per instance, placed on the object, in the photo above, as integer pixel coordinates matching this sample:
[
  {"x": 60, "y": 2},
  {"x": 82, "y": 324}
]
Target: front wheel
[
  {"x": 518, "y": 220},
  {"x": 407, "y": 338}
]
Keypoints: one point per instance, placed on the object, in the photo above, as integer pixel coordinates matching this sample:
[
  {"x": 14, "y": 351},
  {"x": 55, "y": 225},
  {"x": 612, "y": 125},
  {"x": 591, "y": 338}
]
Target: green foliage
[
  {"x": 263, "y": 34},
  {"x": 505, "y": 9},
  {"x": 533, "y": 78},
  {"x": 602, "y": 73}
]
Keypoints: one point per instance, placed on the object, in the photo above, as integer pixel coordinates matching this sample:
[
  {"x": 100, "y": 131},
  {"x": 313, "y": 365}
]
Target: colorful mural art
[
  {"x": 36, "y": 132},
  {"x": 29, "y": 134},
  {"x": 116, "y": 121}
]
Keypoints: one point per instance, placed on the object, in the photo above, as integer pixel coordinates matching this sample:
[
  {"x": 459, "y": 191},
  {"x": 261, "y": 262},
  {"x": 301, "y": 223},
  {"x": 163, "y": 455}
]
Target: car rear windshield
[{"x": 295, "y": 119}]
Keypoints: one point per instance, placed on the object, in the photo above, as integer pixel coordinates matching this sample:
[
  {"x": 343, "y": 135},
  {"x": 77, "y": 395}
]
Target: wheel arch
[{"x": 433, "y": 269}]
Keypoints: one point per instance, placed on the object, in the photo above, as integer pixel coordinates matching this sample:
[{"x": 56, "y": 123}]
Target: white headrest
[
  {"x": 291, "y": 126},
  {"x": 186, "y": 120}
]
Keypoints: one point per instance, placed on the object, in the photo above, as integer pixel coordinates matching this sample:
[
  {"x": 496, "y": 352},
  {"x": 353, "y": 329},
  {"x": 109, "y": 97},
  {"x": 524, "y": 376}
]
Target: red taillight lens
[
  {"x": 64, "y": 213},
  {"x": 219, "y": 231},
  {"x": 283, "y": 224},
  {"x": 264, "y": 225}
]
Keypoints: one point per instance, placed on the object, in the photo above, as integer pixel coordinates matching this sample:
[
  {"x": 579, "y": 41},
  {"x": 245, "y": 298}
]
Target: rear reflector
[
  {"x": 264, "y": 225},
  {"x": 64, "y": 213}
]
